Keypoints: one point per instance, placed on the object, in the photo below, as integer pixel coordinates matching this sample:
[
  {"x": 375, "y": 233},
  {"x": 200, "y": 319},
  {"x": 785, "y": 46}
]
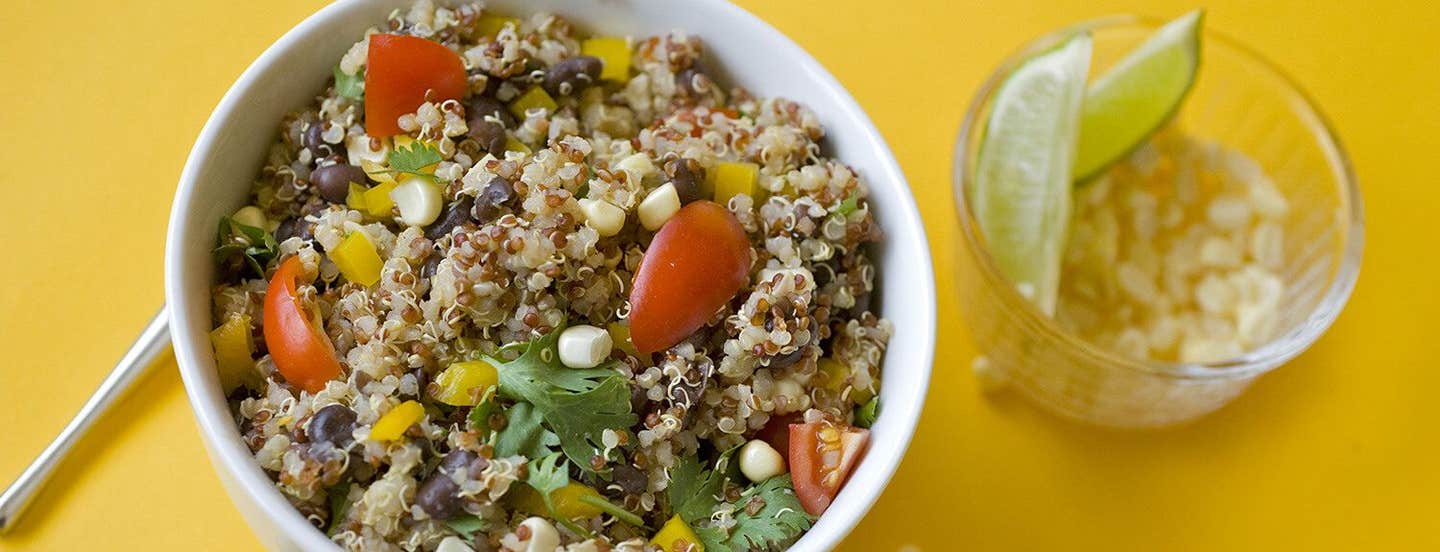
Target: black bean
[
  {"x": 789, "y": 358},
  {"x": 862, "y": 305},
  {"x": 686, "y": 175},
  {"x": 490, "y": 135},
  {"x": 456, "y": 212},
  {"x": 432, "y": 264},
  {"x": 637, "y": 399},
  {"x": 333, "y": 181},
  {"x": 314, "y": 141},
  {"x": 572, "y": 74},
  {"x": 482, "y": 106},
  {"x": 439, "y": 497},
  {"x": 693, "y": 83},
  {"x": 334, "y": 424},
  {"x": 295, "y": 227},
  {"x": 495, "y": 195},
  {"x": 630, "y": 479},
  {"x": 458, "y": 459}
]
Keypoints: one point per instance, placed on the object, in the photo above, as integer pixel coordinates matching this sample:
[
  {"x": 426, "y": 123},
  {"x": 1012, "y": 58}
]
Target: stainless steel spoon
[{"x": 140, "y": 357}]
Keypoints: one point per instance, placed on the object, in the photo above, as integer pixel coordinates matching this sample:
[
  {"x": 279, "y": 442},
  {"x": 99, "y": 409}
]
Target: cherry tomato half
[
  {"x": 301, "y": 351},
  {"x": 399, "y": 70},
  {"x": 694, "y": 266},
  {"x": 821, "y": 457}
]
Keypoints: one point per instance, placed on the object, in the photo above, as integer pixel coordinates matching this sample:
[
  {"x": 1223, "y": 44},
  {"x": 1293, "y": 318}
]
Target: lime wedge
[
  {"x": 1138, "y": 95},
  {"x": 1022, "y": 177}
]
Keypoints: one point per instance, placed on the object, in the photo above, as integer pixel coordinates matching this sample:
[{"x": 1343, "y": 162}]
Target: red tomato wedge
[
  {"x": 301, "y": 352},
  {"x": 821, "y": 457},
  {"x": 399, "y": 70},
  {"x": 695, "y": 264},
  {"x": 776, "y": 432}
]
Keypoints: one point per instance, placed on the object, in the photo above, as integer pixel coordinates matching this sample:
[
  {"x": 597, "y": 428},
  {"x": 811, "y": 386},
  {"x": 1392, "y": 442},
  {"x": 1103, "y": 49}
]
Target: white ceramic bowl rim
[{"x": 906, "y": 276}]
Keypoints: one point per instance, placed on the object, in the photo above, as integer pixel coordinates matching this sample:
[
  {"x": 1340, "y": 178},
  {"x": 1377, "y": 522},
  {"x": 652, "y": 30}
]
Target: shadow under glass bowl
[{"x": 1244, "y": 103}]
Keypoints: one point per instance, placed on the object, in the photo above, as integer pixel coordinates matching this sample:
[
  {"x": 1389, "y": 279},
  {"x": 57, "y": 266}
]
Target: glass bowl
[{"x": 1243, "y": 102}]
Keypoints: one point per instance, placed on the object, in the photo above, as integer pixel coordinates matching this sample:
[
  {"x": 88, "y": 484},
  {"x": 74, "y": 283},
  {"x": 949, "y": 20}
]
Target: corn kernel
[
  {"x": 614, "y": 53},
  {"x": 603, "y": 216}
]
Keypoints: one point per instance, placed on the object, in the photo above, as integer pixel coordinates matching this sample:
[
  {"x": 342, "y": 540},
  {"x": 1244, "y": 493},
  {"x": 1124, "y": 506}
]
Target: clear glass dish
[{"x": 1243, "y": 102}]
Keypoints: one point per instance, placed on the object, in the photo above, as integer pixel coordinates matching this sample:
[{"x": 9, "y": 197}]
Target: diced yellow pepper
[
  {"x": 533, "y": 98},
  {"x": 377, "y": 171},
  {"x": 490, "y": 24},
  {"x": 614, "y": 54},
  {"x": 526, "y": 499},
  {"x": 676, "y": 536},
  {"x": 620, "y": 336},
  {"x": 730, "y": 179},
  {"x": 377, "y": 199},
  {"x": 232, "y": 342},
  {"x": 356, "y": 198},
  {"x": 836, "y": 377},
  {"x": 393, "y": 424},
  {"x": 465, "y": 383},
  {"x": 568, "y": 505},
  {"x": 512, "y": 144},
  {"x": 357, "y": 259}
]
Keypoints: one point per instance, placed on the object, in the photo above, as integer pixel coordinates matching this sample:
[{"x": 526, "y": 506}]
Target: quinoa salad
[{"x": 508, "y": 285}]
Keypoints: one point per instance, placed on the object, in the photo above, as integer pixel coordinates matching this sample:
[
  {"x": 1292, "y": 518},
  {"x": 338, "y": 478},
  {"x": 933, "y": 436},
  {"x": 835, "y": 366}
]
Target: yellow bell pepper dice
[
  {"x": 533, "y": 98},
  {"x": 393, "y": 424},
  {"x": 490, "y": 24},
  {"x": 730, "y": 179},
  {"x": 377, "y": 200},
  {"x": 357, "y": 259},
  {"x": 232, "y": 342},
  {"x": 526, "y": 499},
  {"x": 355, "y": 199},
  {"x": 512, "y": 144},
  {"x": 568, "y": 505},
  {"x": 465, "y": 383},
  {"x": 620, "y": 336},
  {"x": 676, "y": 536},
  {"x": 614, "y": 54},
  {"x": 836, "y": 377}
]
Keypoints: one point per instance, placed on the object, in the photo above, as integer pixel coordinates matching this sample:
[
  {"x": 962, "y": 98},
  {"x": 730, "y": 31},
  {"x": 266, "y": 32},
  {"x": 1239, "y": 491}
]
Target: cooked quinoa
[{"x": 519, "y": 253}]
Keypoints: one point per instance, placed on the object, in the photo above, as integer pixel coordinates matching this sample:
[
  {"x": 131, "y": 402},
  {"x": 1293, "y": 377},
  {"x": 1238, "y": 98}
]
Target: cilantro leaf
[
  {"x": 338, "y": 498},
  {"x": 466, "y": 525},
  {"x": 414, "y": 159},
  {"x": 778, "y": 519},
  {"x": 850, "y": 205},
  {"x": 523, "y": 433},
  {"x": 548, "y": 475},
  {"x": 866, "y": 414},
  {"x": 350, "y": 86},
  {"x": 695, "y": 492},
  {"x": 579, "y": 405},
  {"x": 254, "y": 245}
]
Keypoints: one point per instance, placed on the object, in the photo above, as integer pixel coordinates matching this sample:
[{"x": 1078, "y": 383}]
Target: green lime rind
[
  {"x": 1022, "y": 176},
  {"x": 1137, "y": 96}
]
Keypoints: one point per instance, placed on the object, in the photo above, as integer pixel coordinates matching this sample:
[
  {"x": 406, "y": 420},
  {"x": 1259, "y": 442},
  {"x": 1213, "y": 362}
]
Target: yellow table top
[{"x": 1336, "y": 450}]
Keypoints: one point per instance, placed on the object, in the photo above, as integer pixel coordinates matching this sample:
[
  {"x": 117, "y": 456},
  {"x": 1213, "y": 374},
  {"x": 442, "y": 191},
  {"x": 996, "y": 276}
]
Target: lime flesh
[
  {"x": 1022, "y": 177},
  {"x": 1138, "y": 95}
]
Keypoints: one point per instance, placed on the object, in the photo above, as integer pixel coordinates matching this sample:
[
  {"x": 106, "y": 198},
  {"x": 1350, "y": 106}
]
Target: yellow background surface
[{"x": 99, "y": 105}]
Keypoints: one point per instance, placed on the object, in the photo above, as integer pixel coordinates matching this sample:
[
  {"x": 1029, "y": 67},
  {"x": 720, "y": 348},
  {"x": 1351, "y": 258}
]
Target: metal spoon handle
[{"x": 141, "y": 355}]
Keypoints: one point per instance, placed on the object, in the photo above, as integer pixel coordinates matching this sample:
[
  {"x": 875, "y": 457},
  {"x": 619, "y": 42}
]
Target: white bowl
[{"x": 232, "y": 146}]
